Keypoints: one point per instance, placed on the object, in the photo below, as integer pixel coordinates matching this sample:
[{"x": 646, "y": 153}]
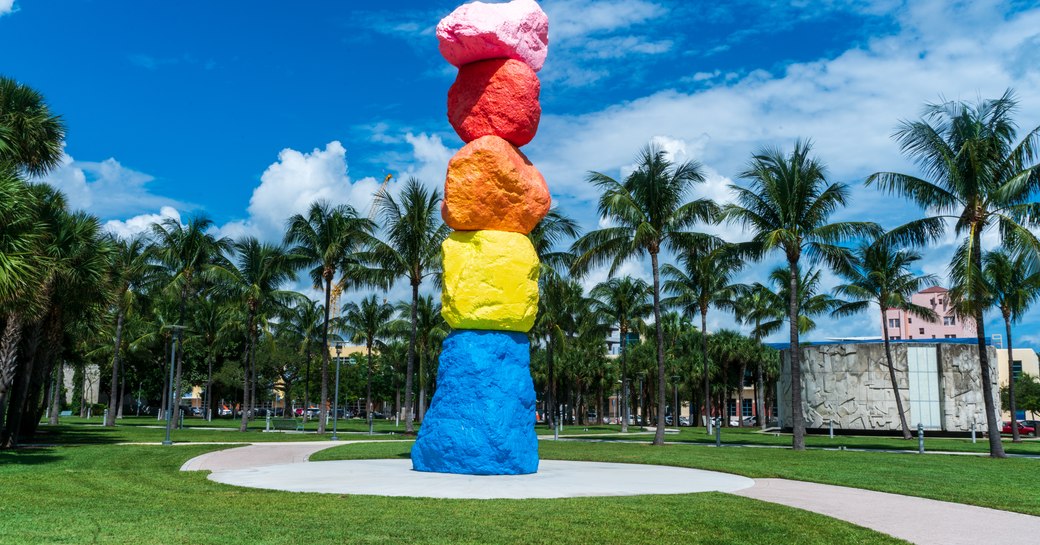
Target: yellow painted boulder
[{"x": 490, "y": 281}]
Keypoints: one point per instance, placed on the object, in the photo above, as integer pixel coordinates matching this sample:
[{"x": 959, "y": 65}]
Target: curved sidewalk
[
  {"x": 266, "y": 454},
  {"x": 917, "y": 520}
]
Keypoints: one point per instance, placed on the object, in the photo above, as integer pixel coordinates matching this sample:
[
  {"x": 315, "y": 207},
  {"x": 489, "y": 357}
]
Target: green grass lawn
[
  {"x": 74, "y": 430},
  {"x": 754, "y": 437},
  {"x": 94, "y": 491},
  {"x": 135, "y": 494},
  {"x": 1001, "y": 484}
]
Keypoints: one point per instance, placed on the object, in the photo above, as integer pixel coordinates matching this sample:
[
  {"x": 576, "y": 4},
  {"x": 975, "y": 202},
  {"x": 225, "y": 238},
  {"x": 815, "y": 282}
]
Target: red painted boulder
[
  {"x": 495, "y": 97},
  {"x": 491, "y": 185},
  {"x": 478, "y": 31}
]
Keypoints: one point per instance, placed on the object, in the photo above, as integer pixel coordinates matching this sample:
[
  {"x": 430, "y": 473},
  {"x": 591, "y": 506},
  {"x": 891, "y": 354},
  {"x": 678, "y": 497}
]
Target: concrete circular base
[{"x": 555, "y": 479}]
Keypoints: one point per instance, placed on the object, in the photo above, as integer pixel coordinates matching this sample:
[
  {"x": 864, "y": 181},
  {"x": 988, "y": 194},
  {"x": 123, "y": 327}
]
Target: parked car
[
  {"x": 1023, "y": 429},
  {"x": 196, "y": 411},
  {"x": 684, "y": 421},
  {"x": 224, "y": 411},
  {"x": 1035, "y": 424},
  {"x": 749, "y": 421}
]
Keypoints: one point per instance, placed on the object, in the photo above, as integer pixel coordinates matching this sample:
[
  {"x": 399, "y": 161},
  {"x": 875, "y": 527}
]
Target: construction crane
[
  {"x": 379, "y": 192},
  {"x": 337, "y": 289}
]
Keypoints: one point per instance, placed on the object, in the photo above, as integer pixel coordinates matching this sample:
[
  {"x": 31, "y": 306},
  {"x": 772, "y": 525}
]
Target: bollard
[
  {"x": 973, "y": 432},
  {"x": 104, "y": 417},
  {"x": 180, "y": 420},
  {"x": 556, "y": 431},
  {"x": 718, "y": 433},
  {"x": 920, "y": 438},
  {"x": 267, "y": 425},
  {"x": 830, "y": 424}
]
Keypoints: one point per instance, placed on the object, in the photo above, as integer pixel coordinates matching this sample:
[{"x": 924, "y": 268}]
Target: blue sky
[{"x": 247, "y": 111}]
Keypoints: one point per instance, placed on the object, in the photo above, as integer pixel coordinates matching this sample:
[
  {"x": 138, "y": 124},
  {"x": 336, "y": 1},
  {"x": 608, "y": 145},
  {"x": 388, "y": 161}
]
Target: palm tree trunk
[
  {"x": 704, "y": 361},
  {"x": 624, "y": 377},
  {"x": 209, "y": 388},
  {"x": 110, "y": 421},
  {"x": 1012, "y": 406},
  {"x": 56, "y": 398},
  {"x": 550, "y": 411},
  {"x": 246, "y": 365},
  {"x": 760, "y": 396},
  {"x": 122, "y": 395},
  {"x": 996, "y": 448},
  {"x": 178, "y": 395},
  {"x": 307, "y": 383},
  {"x": 368, "y": 387},
  {"x": 322, "y": 409},
  {"x": 422, "y": 388},
  {"x": 740, "y": 394},
  {"x": 8, "y": 359},
  {"x": 892, "y": 374},
  {"x": 409, "y": 426},
  {"x": 797, "y": 419},
  {"x": 659, "y": 434}
]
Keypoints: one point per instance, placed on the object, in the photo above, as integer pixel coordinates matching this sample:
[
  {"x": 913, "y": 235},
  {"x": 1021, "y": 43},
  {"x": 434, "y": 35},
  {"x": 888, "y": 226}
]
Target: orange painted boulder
[
  {"x": 492, "y": 185},
  {"x": 495, "y": 97}
]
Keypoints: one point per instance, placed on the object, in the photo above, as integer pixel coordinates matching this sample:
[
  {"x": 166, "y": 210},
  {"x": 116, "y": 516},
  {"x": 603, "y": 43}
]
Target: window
[
  {"x": 949, "y": 320},
  {"x": 746, "y": 407},
  {"x": 893, "y": 322},
  {"x": 1016, "y": 370},
  {"x": 731, "y": 407},
  {"x": 909, "y": 320},
  {"x": 894, "y": 337},
  {"x": 920, "y": 330},
  {"x": 950, "y": 336}
]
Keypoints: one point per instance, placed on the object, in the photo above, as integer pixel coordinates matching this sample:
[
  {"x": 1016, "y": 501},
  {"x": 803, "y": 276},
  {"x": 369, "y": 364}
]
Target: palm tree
[
  {"x": 548, "y": 235},
  {"x": 130, "y": 272},
  {"x": 558, "y": 308},
  {"x": 811, "y": 301},
  {"x": 328, "y": 239},
  {"x": 254, "y": 281},
  {"x": 186, "y": 251},
  {"x": 978, "y": 178},
  {"x": 755, "y": 304},
  {"x": 703, "y": 282},
  {"x": 411, "y": 249},
  {"x": 881, "y": 276},
  {"x": 649, "y": 212},
  {"x": 1013, "y": 284},
  {"x": 31, "y": 137},
  {"x": 787, "y": 206},
  {"x": 626, "y": 300},
  {"x": 307, "y": 322},
  {"x": 430, "y": 330},
  {"x": 20, "y": 266},
  {"x": 366, "y": 322}
]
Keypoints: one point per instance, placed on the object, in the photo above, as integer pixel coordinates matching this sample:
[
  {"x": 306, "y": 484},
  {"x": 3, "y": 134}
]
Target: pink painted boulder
[
  {"x": 496, "y": 97},
  {"x": 478, "y": 31}
]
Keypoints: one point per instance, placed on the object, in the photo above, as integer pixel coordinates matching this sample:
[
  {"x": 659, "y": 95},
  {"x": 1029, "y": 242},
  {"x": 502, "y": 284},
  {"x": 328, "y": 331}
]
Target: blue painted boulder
[{"x": 481, "y": 420}]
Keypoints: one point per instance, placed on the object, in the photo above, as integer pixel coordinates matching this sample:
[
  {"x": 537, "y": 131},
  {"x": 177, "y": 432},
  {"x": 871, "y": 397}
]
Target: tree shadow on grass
[
  {"x": 75, "y": 435},
  {"x": 29, "y": 456}
]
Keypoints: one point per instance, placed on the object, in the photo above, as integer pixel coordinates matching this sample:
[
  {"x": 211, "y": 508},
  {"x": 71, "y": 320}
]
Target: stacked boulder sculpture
[{"x": 481, "y": 420}]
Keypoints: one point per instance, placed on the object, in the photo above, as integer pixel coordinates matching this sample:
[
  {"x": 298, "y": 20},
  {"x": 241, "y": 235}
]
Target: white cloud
[
  {"x": 289, "y": 186},
  {"x": 7, "y": 6},
  {"x": 106, "y": 188},
  {"x": 141, "y": 223}
]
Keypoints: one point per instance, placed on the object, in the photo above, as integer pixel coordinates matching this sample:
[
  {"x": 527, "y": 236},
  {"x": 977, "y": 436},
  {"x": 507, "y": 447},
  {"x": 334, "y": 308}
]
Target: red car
[{"x": 1022, "y": 428}]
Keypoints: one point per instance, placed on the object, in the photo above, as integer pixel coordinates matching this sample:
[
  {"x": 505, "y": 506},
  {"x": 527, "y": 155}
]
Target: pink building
[{"x": 903, "y": 325}]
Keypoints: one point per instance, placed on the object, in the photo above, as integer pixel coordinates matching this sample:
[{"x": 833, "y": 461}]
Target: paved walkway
[
  {"x": 917, "y": 520},
  {"x": 554, "y": 479},
  {"x": 264, "y": 454}
]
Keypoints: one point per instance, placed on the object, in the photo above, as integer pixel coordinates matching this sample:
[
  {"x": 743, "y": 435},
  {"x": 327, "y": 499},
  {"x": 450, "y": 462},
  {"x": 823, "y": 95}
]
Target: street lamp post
[
  {"x": 335, "y": 402},
  {"x": 642, "y": 417},
  {"x": 169, "y": 409}
]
